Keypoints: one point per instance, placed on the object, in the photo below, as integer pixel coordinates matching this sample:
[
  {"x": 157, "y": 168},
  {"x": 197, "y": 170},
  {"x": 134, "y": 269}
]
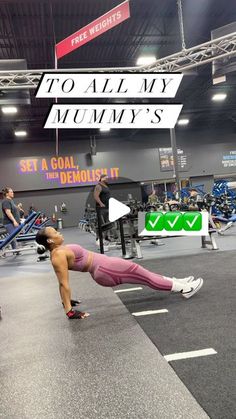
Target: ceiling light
[
  {"x": 183, "y": 122},
  {"x": 105, "y": 129},
  {"x": 145, "y": 60},
  {"x": 9, "y": 109},
  {"x": 20, "y": 133},
  {"x": 220, "y": 79},
  {"x": 218, "y": 97}
]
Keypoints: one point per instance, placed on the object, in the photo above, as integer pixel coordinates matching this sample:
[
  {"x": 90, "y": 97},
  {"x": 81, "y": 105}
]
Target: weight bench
[
  {"x": 136, "y": 250},
  {"x": 5, "y": 243},
  {"x": 42, "y": 225},
  {"x": 31, "y": 224},
  {"x": 27, "y": 235}
]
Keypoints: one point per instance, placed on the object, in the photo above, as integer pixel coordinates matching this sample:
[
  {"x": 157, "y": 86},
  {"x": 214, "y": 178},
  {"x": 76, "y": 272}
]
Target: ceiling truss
[{"x": 179, "y": 62}]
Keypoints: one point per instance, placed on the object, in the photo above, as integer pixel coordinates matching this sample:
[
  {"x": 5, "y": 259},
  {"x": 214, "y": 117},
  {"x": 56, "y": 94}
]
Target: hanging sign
[{"x": 100, "y": 25}]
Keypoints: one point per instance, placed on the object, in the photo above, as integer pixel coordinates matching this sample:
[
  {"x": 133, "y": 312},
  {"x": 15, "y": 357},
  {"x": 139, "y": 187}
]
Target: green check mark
[
  {"x": 154, "y": 221},
  {"x": 173, "y": 221},
  {"x": 192, "y": 221}
]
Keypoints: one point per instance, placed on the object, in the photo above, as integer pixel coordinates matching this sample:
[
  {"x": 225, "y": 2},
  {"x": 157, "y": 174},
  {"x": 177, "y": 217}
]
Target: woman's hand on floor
[{"x": 75, "y": 314}]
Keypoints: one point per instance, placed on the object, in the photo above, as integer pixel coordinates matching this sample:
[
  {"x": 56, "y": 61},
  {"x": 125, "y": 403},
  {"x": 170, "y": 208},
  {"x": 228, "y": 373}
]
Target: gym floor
[{"x": 112, "y": 364}]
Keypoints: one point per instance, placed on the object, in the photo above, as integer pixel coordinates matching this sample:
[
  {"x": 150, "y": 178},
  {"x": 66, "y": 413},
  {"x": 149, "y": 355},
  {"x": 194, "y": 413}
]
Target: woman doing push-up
[{"x": 106, "y": 271}]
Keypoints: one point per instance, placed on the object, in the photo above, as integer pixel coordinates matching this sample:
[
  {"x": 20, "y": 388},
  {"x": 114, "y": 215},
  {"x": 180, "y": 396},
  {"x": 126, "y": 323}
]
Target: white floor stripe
[
  {"x": 191, "y": 354},
  {"x": 128, "y": 289},
  {"x": 147, "y": 313}
]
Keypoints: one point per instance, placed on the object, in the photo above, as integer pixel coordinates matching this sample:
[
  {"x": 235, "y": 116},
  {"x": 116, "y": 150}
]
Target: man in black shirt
[{"x": 102, "y": 195}]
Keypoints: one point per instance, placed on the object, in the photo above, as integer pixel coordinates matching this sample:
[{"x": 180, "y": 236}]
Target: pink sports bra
[{"x": 81, "y": 256}]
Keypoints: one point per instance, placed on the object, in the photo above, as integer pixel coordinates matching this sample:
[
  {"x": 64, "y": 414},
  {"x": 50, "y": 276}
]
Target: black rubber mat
[{"x": 205, "y": 321}]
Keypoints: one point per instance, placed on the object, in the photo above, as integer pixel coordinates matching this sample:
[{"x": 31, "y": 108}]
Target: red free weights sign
[{"x": 100, "y": 25}]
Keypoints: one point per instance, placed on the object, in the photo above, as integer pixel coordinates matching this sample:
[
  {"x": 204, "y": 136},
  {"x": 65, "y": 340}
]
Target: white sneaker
[
  {"x": 228, "y": 225},
  {"x": 184, "y": 280},
  {"x": 194, "y": 287}
]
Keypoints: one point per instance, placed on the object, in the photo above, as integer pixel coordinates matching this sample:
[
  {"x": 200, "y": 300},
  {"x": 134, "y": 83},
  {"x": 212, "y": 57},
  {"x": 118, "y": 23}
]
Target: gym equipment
[
  {"x": 94, "y": 224},
  {"x": 42, "y": 258},
  {"x": 221, "y": 188},
  {"x": 210, "y": 240},
  {"x": 31, "y": 224},
  {"x": 89, "y": 221},
  {"x": 130, "y": 241},
  {"x": 3, "y": 232},
  {"x": 221, "y": 207},
  {"x": 4, "y": 244},
  {"x": 134, "y": 240},
  {"x": 42, "y": 225},
  {"x": 42, "y": 252},
  {"x": 30, "y": 232},
  {"x": 102, "y": 227}
]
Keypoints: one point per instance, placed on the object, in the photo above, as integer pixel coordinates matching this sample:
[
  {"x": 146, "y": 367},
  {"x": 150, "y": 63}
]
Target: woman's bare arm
[{"x": 60, "y": 265}]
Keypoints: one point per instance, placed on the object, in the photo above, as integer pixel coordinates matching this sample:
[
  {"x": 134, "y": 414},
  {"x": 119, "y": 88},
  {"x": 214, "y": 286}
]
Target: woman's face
[
  {"x": 54, "y": 236},
  {"x": 10, "y": 194}
]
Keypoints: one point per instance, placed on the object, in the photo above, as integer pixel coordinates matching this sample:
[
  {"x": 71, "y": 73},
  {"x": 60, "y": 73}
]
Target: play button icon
[{"x": 117, "y": 210}]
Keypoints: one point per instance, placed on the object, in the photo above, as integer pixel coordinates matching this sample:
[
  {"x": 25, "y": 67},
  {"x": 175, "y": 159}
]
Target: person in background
[
  {"x": 31, "y": 209},
  {"x": 38, "y": 221},
  {"x": 11, "y": 214},
  {"x": 102, "y": 195},
  {"x": 194, "y": 200},
  {"x": 43, "y": 218},
  {"x": 152, "y": 199}
]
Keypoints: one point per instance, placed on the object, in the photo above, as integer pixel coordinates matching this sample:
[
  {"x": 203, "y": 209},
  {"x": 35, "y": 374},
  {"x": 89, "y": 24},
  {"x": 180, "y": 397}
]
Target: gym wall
[{"x": 137, "y": 158}]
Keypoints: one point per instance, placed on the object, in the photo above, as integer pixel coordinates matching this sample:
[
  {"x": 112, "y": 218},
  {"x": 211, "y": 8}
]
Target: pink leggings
[{"x": 111, "y": 271}]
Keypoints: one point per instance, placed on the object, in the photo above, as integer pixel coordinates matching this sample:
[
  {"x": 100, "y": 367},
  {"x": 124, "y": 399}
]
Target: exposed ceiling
[{"x": 29, "y": 30}]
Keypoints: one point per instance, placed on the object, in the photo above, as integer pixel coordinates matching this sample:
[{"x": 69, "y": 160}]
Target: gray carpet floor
[
  {"x": 42, "y": 355},
  {"x": 104, "y": 367},
  {"x": 205, "y": 321}
]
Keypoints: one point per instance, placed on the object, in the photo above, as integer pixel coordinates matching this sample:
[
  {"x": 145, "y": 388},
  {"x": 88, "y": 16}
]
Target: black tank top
[{"x": 104, "y": 195}]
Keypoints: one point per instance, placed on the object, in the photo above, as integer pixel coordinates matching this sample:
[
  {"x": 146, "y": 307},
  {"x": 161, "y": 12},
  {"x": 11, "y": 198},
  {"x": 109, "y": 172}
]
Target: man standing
[{"x": 102, "y": 195}]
